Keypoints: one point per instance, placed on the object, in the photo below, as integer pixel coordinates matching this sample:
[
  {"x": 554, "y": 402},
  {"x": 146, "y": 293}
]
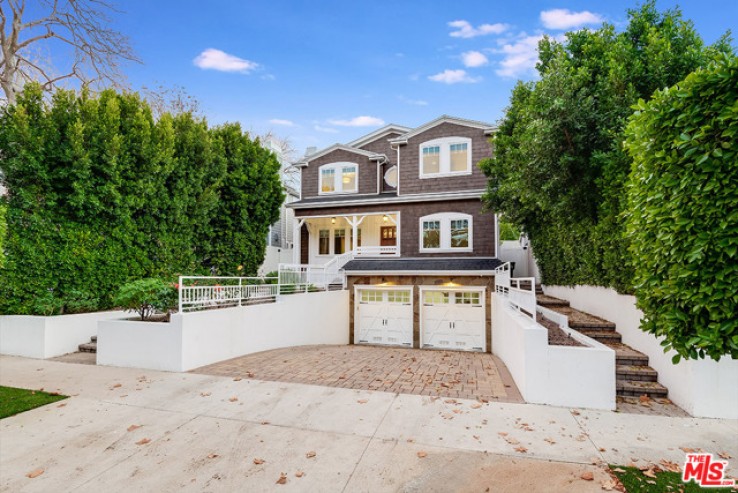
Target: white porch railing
[
  {"x": 198, "y": 292},
  {"x": 520, "y": 291},
  {"x": 376, "y": 251}
]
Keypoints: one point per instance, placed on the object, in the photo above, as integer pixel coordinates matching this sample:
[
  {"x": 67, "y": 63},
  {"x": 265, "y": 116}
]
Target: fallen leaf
[
  {"x": 587, "y": 476},
  {"x": 410, "y": 440},
  {"x": 143, "y": 441},
  {"x": 133, "y": 427},
  {"x": 212, "y": 456},
  {"x": 603, "y": 449},
  {"x": 608, "y": 484},
  {"x": 363, "y": 401},
  {"x": 204, "y": 394},
  {"x": 551, "y": 441},
  {"x": 618, "y": 469},
  {"x": 282, "y": 478},
  {"x": 724, "y": 455},
  {"x": 258, "y": 461},
  {"x": 687, "y": 450},
  {"x": 117, "y": 385},
  {"x": 299, "y": 474},
  {"x": 265, "y": 422},
  {"x": 310, "y": 454},
  {"x": 35, "y": 473},
  {"x": 670, "y": 466},
  {"x": 422, "y": 454},
  {"x": 502, "y": 433},
  {"x": 521, "y": 449},
  {"x": 237, "y": 379},
  {"x": 476, "y": 405},
  {"x": 650, "y": 473},
  {"x": 575, "y": 412},
  {"x": 233, "y": 399},
  {"x": 62, "y": 404}
]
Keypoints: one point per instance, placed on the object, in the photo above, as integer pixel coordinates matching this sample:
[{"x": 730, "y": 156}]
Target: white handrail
[
  {"x": 224, "y": 291},
  {"x": 520, "y": 297}
]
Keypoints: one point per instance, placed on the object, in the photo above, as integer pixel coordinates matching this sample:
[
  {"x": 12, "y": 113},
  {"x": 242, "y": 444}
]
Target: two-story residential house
[{"x": 399, "y": 209}]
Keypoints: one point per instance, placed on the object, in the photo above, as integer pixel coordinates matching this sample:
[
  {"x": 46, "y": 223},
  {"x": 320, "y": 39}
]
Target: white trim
[
  {"x": 416, "y": 197},
  {"x": 487, "y": 127},
  {"x": 348, "y": 218},
  {"x": 444, "y": 159},
  {"x": 482, "y": 299},
  {"x": 335, "y": 147},
  {"x": 445, "y": 219},
  {"x": 454, "y": 273},
  {"x": 338, "y": 178},
  {"x": 378, "y": 134}
]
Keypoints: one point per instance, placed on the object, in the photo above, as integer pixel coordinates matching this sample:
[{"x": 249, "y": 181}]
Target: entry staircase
[
  {"x": 329, "y": 276},
  {"x": 634, "y": 377}
]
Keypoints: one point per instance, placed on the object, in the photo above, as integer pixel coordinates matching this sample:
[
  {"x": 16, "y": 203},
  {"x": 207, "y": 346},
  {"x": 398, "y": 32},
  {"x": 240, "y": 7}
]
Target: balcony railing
[{"x": 376, "y": 251}]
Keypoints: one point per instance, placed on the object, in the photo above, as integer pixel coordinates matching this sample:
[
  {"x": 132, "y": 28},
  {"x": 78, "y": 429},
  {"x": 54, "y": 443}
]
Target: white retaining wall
[
  {"x": 555, "y": 375},
  {"x": 703, "y": 388},
  {"x": 46, "y": 337},
  {"x": 196, "y": 339},
  {"x": 273, "y": 256}
]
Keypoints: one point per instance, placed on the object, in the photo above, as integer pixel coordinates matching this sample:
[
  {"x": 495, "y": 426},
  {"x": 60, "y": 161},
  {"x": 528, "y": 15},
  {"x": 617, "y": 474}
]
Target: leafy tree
[
  {"x": 682, "y": 215},
  {"x": 559, "y": 168},
  {"x": 3, "y": 229}
]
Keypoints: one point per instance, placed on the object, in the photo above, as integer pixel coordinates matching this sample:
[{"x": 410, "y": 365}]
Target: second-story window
[
  {"x": 446, "y": 232},
  {"x": 446, "y": 156},
  {"x": 338, "y": 178}
]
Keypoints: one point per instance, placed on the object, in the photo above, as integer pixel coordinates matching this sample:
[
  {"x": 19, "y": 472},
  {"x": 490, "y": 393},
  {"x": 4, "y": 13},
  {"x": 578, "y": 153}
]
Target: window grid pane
[
  {"x": 339, "y": 241},
  {"x": 431, "y": 159},
  {"x": 324, "y": 241},
  {"x": 467, "y": 298},
  {"x": 459, "y": 157},
  {"x": 459, "y": 233},
  {"x": 398, "y": 297},
  {"x": 431, "y": 234},
  {"x": 349, "y": 179},
  {"x": 328, "y": 180},
  {"x": 435, "y": 298}
]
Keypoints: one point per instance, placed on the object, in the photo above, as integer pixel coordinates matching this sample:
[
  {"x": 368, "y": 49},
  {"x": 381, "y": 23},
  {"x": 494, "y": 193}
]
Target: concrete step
[
  {"x": 88, "y": 347},
  {"x": 93, "y": 338},
  {"x": 636, "y": 388},
  {"x": 636, "y": 372},
  {"x": 591, "y": 324},
  {"x": 603, "y": 336}
]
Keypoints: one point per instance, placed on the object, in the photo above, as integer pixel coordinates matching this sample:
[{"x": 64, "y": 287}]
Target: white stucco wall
[
  {"x": 46, "y": 337},
  {"x": 555, "y": 375},
  {"x": 273, "y": 256},
  {"x": 196, "y": 339},
  {"x": 703, "y": 388}
]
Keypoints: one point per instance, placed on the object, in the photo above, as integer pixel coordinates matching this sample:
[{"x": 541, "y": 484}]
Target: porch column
[
  {"x": 354, "y": 240},
  {"x": 296, "y": 240}
]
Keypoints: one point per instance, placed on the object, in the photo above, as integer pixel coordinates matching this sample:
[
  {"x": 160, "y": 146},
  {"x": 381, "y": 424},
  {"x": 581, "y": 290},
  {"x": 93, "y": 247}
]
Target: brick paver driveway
[{"x": 406, "y": 371}]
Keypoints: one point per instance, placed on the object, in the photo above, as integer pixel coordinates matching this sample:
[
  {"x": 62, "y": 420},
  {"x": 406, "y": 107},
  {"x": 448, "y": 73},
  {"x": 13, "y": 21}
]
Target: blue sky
[{"x": 325, "y": 72}]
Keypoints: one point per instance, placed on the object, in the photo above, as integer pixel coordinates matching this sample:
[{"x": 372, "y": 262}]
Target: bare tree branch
[{"x": 81, "y": 25}]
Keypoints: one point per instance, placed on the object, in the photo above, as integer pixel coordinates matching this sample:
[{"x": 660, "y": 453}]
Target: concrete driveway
[{"x": 133, "y": 430}]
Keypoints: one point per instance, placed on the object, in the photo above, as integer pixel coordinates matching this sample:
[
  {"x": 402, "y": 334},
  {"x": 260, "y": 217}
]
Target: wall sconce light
[
  {"x": 333, "y": 220},
  {"x": 385, "y": 218}
]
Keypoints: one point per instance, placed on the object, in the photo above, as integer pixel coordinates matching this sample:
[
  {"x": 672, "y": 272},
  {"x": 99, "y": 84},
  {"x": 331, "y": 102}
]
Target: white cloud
[
  {"x": 284, "y": 123},
  {"x": 474, "y": 59},
  {"x": 566, "y": 19},
  {"x": 415, "y": 102},
  {"x": 327, "y": 130},
  {"x": 212, "y": 59},
  {"x": 454, "y": 77},
  {"x": 359, "y": 121},
  {"x": 520, "y": 57},
  {"x": 465, "y": 30}
]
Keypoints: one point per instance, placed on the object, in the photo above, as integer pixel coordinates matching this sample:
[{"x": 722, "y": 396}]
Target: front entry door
[{"x": 388, "y": 236}]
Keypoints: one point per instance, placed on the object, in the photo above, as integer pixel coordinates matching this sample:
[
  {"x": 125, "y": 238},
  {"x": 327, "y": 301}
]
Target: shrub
[
  {"x": 147, "y": 296},
  {"x": 682, "y": 215},
  {"x": 51, "y": 303}
]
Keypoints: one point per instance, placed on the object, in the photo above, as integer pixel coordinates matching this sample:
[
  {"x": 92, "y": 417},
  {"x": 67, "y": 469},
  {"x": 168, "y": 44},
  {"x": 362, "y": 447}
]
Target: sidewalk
[{"x": 210, "y": 433}]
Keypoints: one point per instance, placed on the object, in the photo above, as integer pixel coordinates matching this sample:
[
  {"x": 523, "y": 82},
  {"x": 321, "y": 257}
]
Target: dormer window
[
  {"x": 445, "y": 157},
  {"x": 338, "y": 178}
]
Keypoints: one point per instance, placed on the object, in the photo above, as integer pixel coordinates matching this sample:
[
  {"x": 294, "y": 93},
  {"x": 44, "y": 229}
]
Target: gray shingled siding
[{"x": 367, "y": 173}]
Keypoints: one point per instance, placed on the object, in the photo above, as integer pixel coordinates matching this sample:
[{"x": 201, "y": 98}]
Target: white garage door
[
  {"x": 453, "y": 319},
  {"x": 384, "y": 316}
]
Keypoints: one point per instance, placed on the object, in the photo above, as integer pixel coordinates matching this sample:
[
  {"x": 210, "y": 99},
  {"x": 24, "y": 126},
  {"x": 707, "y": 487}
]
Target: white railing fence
[
  {"x": 519, "y": 291},
  {"x": 376, "y": 251},
  {"x": 199, "y": 292}
]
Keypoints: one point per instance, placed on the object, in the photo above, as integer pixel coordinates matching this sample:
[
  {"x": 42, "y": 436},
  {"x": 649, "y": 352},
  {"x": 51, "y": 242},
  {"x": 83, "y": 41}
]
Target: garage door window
[
  {"x": 402, "y": 297},
  {"x": 371, "y": 296},
  {"x": 467, "y": 298},
  {"x": 435, "y": 298}
]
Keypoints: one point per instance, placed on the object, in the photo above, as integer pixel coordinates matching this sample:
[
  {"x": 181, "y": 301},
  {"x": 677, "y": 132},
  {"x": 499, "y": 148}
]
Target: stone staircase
[
  {"x": 89, "y": 347},
  {"x": 634, "y": 377}
]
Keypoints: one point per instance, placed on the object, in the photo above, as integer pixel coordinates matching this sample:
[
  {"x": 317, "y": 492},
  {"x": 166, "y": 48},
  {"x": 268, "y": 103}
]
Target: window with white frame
[
  {"x": 324, "y": 241},
  {"x": 445, "y": 156},
  {"x": 446, "y": 232},
  {"x": 339, "y": 178}
]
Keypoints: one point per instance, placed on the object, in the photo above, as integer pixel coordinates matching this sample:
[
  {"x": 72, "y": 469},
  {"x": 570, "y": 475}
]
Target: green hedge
[
  {"x": 682, "y": 214},
  {"x": 100, "y": 194}
]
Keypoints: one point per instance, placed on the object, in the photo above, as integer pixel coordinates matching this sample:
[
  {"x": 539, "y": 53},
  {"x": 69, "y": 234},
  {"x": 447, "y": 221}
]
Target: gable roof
[
  {"x": 337, "y": 147},
  {"x": 487, "y": 127},
  {"x": 378, "y": 134}
]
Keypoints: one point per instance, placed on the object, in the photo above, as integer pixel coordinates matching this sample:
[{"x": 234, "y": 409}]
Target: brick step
[
  {"x": 627, "y": 356},
  {"x": 635, "y": 388},
  {"x": 550, "y": 301},
  {"x": 636, "y": 373},
  {"x": 93, "y": 339},
  {"x": 88, "y": 347},
  {"x": 591, "y": 324},
  {"x": 603, "y": 336}
]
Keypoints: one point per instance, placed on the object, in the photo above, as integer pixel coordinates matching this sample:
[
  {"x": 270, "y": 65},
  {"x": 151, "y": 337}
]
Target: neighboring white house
[{"x": 279, "y": 239}]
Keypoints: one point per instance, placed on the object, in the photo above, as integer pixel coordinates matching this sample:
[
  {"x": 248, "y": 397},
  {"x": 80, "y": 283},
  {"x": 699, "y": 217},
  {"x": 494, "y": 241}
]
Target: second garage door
[
  {"x": 384, "y": 316},
  {"x": 453, "y": 319}
]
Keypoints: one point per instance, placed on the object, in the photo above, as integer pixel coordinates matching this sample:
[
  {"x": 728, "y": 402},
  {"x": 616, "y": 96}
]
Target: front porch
[{"x": 320, "y": 239}]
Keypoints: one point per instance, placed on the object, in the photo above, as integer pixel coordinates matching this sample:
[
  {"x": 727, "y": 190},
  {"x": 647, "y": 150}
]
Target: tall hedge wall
[
  {"x": 100, "y": 193},
  {"x": 682, "y": 214}
]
